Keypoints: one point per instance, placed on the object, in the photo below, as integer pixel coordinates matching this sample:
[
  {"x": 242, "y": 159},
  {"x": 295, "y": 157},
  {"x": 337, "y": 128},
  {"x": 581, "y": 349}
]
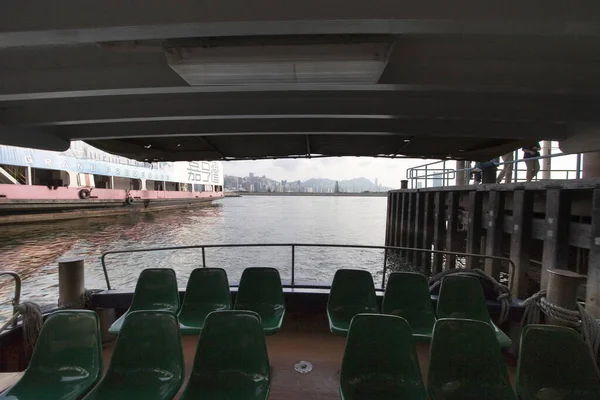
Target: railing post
[
  {"x": 203, "y": 258},
  {"x": 578, "y": 170},
  {"x": 426, "y": 176},
  {"x": 293, "y": 265}
]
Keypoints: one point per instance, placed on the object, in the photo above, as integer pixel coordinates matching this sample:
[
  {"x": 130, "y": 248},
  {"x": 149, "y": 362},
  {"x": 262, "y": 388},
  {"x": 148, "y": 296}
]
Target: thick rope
[
  {"x": 503, "y": 293},
  {"x": 578, "y": 319},
  {"x": 32, "y": 322}
]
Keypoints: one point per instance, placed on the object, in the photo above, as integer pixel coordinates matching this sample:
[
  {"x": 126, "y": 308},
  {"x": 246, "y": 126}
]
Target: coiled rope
[
  {"x": 578, "y": 319},
  {"x": 31, "y": 315},
  {"x": 503, "y": 292}
]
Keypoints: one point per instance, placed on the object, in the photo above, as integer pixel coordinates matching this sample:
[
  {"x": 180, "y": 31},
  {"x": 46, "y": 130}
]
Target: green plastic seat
[
  {"x": 555, "y": 363},
  {"x": 207, "y": 291},
  {"x": 231, "y": 359},
  {"x": 380, "y": 360},
  {"x": 260, "y": 291},
  {"x": 156, "y": 289},
  {"x": 462, "y": 297},
  {"x": 466, "y": 363},
  {"x": 147, "y": 362},
  {"x": 352, "y": 292},
  {"x": 407, "y": 296},
  {"x": 66, "y": 361}
]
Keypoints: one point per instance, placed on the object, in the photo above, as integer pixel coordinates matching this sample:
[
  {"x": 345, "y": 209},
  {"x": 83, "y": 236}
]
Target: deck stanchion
[
  {"x": 562, "y": 291},
  {"x": 428, "y": 227},
  {"x": 418, "y": 228},
  {"x": 203, "y": 258},
  {"x": 385, "y": 251},
  {"x": 71, "y": 282}
]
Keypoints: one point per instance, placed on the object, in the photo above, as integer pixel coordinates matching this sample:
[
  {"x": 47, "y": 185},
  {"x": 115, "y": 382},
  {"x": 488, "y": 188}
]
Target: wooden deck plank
[{"x": 303, "y": 340}]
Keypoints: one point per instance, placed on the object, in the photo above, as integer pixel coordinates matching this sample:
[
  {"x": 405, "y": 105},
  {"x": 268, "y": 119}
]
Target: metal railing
[
  {"x": 294, "y": 246},
  {"x": 15, "y": 300},
  {"x": 435, "y": 175}
]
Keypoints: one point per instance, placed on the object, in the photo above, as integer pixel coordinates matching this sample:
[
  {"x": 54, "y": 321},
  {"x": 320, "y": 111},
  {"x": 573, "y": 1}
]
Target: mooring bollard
[
  {"x": 71, "y": 282},
  {"x": 404, "y": 184},
  {"x": 562, "y": 291}
]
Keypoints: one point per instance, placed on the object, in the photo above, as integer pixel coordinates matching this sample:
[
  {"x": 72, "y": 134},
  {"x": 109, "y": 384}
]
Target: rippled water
[{"x": 32, "y": 250}]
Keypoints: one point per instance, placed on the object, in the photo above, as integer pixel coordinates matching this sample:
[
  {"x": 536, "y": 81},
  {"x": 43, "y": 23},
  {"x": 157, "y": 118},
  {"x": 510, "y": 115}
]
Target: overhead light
[{"x": 351, "y": 63}]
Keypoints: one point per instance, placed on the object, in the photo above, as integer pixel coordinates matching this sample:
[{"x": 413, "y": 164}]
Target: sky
[{"x": 388, "y": 172}]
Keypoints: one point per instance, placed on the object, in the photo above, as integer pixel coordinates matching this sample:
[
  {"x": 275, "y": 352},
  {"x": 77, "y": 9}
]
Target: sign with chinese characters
[{"x": 84, "y": 158}]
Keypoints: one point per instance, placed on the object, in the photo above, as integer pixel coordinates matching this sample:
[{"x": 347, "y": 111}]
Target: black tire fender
[{"x": 84, "y": 194}]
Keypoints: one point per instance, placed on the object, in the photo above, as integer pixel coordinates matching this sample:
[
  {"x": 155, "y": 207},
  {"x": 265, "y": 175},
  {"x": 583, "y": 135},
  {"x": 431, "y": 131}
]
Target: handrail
[
  {"x": 16, "y": 300},
  {"x": 442, "y": 173},
  {"x": 293, "y": 247}
]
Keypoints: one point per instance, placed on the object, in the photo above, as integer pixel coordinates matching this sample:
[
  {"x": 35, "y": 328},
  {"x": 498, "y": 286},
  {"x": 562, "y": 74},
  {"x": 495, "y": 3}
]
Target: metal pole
[
  {"x": 516, "y": 158},
  {"x": 426, "y": 176},
  {"x": 578, "y": 170},
  {"x": 71, "y": 282},
  {"x": 203, "y": 258},
  {"x": 102, "y": 261},
  {"x": 293, "y": 265}
]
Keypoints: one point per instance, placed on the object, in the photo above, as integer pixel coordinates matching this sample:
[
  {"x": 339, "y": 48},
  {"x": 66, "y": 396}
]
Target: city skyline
[{"x": 254, "y": 183}]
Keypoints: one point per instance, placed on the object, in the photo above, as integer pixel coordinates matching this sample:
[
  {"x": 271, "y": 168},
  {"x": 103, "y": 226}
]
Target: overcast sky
[{"x": 389, "y": 172}]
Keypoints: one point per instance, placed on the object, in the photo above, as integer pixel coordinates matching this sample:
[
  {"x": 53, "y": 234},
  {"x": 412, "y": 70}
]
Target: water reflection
[{"x": 32, "y": 249}]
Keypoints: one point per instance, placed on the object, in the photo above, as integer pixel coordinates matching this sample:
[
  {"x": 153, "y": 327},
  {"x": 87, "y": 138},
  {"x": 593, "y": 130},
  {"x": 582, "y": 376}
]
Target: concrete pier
[{"x": 554, "y": 224}]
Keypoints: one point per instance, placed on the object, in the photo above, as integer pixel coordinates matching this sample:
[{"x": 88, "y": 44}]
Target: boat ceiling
[{"x": 233, "y": 79}]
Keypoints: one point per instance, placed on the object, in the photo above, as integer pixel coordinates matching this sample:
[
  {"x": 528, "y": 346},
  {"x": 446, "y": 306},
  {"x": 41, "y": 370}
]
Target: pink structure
[{"x": 9, "y": 192}]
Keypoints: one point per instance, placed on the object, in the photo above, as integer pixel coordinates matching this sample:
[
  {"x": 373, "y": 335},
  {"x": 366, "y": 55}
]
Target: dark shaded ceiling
[{"x": 462, "y": 79}]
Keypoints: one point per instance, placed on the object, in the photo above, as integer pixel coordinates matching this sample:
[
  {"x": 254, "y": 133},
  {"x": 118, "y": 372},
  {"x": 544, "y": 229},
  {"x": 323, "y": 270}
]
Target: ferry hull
[{"x": 20, "y": 204}]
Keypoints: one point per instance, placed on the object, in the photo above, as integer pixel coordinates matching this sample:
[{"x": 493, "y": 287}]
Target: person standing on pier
[
  {"x": 507, "y": 168},
  {"x": 533, "y": 166}
]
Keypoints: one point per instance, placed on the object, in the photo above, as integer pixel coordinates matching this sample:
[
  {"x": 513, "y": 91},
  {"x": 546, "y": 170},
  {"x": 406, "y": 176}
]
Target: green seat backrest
[
  {"x": 555, "y": 362},
  {"x": 231, "y": 355},
  {"x": 260, "y": 290},
  {"x": 352, "y": 292},
  {"x": 465, "y": 362},
  {"x": 67, "y": 359},
  {"x": 156, "y": 289},
  {"x": 462, "y": 297},
  {"x": 207, "y": 290},
  {"x": 147, "y": 361},
  {"x": 407, "y": 295},
  {"x": 380, "y": 360}
]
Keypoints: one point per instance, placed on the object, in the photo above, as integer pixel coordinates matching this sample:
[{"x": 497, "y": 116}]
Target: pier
[{"x": 543, "y": 225}]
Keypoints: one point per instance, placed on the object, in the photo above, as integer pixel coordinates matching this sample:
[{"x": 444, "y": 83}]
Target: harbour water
[{"x": 32, "y": 250}]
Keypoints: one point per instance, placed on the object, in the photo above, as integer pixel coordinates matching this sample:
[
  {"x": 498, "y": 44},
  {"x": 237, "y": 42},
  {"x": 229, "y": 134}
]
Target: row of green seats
[
  {"x": 207, "y": 290},
  {"x": 231, "y": 359},
  {"x": 407, "y": 295},
  {"x": 465, "y": 363}
]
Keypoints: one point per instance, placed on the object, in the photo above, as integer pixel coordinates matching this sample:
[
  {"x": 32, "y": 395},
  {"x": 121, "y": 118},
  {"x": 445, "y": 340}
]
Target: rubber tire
[
  {"x": 129, "y": 200},
  {"x": 84, "y": 194}
]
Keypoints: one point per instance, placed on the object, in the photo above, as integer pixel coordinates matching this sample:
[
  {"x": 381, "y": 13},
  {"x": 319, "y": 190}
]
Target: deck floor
[{"x": 301, "y": 340}]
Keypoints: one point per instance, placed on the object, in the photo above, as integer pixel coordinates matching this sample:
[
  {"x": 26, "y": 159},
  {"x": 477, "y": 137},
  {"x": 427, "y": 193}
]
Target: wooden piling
[
  {"x": 494, "y": 232},
  {"x": 593, "y": 277},
  {"x": 428, "y": 228},
  {"x": 418, "y": 228},
  {"x": 439, "y": 230},
  {"x": 556, "y": 241},
  {"x": 452, "y": 231},
  {"x": 520, "y": 244},
  {"x": 474, "y": 230}
]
